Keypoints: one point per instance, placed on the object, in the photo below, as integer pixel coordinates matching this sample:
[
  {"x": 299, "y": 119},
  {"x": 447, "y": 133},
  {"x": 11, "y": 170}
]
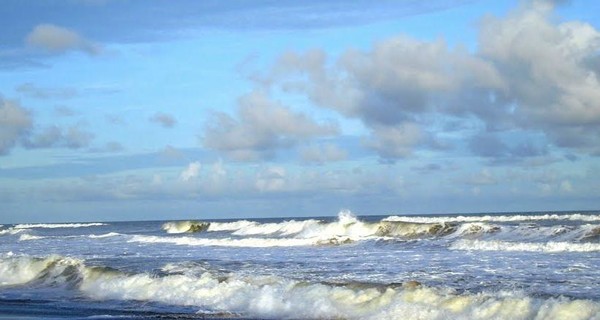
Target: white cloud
[
  {"x": 191, "y": 172},
  {"x": 262, "y": 127},
  {"x": 56, "y": 39},
  {"x": 271, "y": 179},
  {"x": 530, "y": 74},
  {"x": 395, "y": 141},
  {"x": 15, "y": 124}
]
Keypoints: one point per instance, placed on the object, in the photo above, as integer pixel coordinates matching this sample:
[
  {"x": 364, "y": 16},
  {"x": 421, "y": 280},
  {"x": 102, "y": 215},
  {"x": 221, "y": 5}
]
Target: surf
[{"x": 276, "y": 297}]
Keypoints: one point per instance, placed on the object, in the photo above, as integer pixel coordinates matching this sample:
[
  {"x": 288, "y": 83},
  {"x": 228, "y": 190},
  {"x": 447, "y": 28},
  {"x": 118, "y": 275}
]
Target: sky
[{"x": 157, "y": 110}]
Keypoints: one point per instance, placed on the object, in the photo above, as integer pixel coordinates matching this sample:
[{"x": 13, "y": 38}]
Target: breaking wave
[
  {"x": 489, "y": 218},
  {"x": 10, "y": 231},
  {"x": 58, "y": 225},
  {"x": 28, "y": 237},
  {"x": 348, "y": 228},
  {"x": 275, "y": 297},
  {"x": 347, "y": 225},
  {"x": 243, "y": 242},
  {"x": 105, "y": 235}
]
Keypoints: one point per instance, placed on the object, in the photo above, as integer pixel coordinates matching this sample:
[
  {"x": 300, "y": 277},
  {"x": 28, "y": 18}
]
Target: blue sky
[{"x": 128, "y": 110}]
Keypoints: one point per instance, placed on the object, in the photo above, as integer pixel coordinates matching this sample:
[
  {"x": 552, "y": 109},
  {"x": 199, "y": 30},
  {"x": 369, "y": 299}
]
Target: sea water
[{"x": 504, "y": 266}]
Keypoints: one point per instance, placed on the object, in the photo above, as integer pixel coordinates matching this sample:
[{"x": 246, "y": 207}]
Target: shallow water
[{"x": 508, "y": 266}]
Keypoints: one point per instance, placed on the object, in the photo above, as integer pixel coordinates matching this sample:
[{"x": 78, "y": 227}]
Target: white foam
[
  {"x": 226, "y": 242},
  {"x": 488, "y": 218},
  {"x": 105, "y": 235},
  {"x": 10, "y": 231},
  {"x": 58, "y": 225},
  {"x": 476, "y": 228},
  {"x": 276, "y": 297},
  {"x": 16, "y": 270},
  {"x": 231, "y": 226},
  {"x": 28, "y": 237},
  {"x": 495, "y": 245}
]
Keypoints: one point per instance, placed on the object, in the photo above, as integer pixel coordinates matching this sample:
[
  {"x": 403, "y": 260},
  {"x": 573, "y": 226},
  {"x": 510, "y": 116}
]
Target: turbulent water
[{"x": 509, "y": 266}]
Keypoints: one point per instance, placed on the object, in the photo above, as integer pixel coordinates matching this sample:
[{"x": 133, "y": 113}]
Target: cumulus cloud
[
  {"x": 163, "y": 119},
  {"x": 191, "y": 172},
  {"x": 529, "y": 74},
  {"x": 56, "y": 39},
  {"x": 260, "y": 128},
  {"x": 15, "y": 124}
]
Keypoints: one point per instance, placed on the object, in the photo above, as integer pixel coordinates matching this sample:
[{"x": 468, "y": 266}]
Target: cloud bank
[{"x": 529, "y": 74}]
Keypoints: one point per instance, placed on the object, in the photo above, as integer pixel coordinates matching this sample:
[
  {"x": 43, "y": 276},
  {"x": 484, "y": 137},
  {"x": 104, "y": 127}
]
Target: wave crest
[
  {"x": 185, "y": 226},
  {"x": 58, "y": 225}
]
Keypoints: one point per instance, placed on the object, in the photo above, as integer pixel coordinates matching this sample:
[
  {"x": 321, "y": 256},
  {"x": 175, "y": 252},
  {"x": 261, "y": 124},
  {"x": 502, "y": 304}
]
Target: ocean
[{"x": 501, "y": 266}]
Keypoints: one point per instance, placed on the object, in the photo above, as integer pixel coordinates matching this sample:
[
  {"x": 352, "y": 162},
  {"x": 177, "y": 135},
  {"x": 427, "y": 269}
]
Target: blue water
[{"x": 504, "y": 266}]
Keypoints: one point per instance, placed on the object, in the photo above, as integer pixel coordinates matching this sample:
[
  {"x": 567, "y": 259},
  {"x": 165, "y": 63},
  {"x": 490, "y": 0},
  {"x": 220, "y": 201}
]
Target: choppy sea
[{"x": 501, "y": 266}]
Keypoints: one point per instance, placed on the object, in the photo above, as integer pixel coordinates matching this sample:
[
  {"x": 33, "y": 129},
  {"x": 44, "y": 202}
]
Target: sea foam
[
  {"x": 495, "y": 245},
  {"x": 275, "y": 297},
  {"x": 58, "y": 225}
]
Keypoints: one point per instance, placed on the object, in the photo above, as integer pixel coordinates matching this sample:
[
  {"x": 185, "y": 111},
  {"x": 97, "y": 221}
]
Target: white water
[
  {"x": 521, "y": 246},
  {"x": 487, "y": 218},
  {"x": 274, "y": 297},
  {"x": 58, "y": 225}
]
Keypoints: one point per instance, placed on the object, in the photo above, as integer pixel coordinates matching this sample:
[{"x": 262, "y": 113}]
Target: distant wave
[
  {"x": 504, "y": 218},
  {"x": 243, "y": 242},
  {"x": 58, "y": 225},
  {"x": 275, "y": 297},
  {"x": 29, "y": 237},
  {"x": 494, "y": 245},
  {"x": 10, "y": 231},
  {"x": 105, "y": 235},
  {"x": 349, "y": 226}
]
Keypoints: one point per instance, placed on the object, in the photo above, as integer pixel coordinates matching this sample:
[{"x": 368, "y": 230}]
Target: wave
[
  {"x": 347, "y": 225},
  {"x": 185, "y": 226},
  {"x": 503, "y": 218},
  {"x": 58, "y": 225},
  {"x": 243, "y": 242},
  {"x": 348, "y": 228},
  {"x": 274, "y": 297},
  {"x": 28, "y": 237},
  {"x": 10, "y": 231},
  {"x": 105, "y": 235},
  {"x": 495, "y": 245},
  {"x": 18, "y": 270}
]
